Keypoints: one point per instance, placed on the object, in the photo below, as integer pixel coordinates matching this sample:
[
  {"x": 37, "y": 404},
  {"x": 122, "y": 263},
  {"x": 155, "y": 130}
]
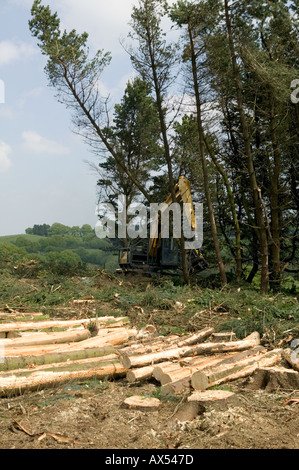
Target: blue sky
[{"x": 44, "y": 177}]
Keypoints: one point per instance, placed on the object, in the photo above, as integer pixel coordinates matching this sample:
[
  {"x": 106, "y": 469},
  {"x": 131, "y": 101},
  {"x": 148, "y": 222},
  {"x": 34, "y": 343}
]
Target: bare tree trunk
[
  {"x": 203, "y": 160},
  {"x": 275, "y": 210},
  {"x": 167, "y": 152},
  {"x": 238, "y": 248},
  {"x": 249, "y": 160}
]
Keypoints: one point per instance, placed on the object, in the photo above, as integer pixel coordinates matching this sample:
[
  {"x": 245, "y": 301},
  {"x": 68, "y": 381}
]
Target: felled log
[
  {"x": 164, "y": 367},
  {"x": 91, "y": 347},
  {"x": 106, "y": 336},
  {"x": 143, "y": 373},
  {"x": 75, "y": 335},
  {"x": 177, "y": 353},
  {"x": 115, "y": 336},
  {"x": 274, "y": 378},
  {"x": 43, "y": 325},
  {"x": 201, "y": 380},
  {"x": 10, "y": 335},
  {"x": 225, "y": 336},
  {"x": 38, "y": 380},
  {"x": 179, "y": 386},
  {"x": 292, "y": 357},
  {"x": 87, "y": 363},
  {"x": 161, "y": 343},
  {"x": 183, "y": 382},
  {"x": 195, "y": 338},
  {"x": 17, "y": 362},
  {"x": 155, "y": 344},
  {"x": 187, "y": 371}
]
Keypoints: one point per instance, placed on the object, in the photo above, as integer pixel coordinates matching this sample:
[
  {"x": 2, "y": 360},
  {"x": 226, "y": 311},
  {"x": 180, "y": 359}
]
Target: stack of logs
[
  {"x": 203, "y": 360},
  {"x": 32, "y": 358},
  {"x": 107, "y": 347}
]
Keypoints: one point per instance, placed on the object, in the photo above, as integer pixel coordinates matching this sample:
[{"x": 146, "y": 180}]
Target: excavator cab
[{"x": 158, "y": 254}]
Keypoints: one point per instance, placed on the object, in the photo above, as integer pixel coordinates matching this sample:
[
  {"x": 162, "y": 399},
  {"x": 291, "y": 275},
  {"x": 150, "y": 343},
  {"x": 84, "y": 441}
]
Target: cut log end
[
  {"x": 138, "y": 402},
  {"x": 199, "y": 381},
  {"x": 219, "y": 399}
]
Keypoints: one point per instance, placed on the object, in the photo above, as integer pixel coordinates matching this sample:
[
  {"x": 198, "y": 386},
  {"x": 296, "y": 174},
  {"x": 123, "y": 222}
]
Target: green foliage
[
  {"x": 64, "y": 263},
  {"x": 82, "y": 241},
  {"x": 11, "y": 255}
]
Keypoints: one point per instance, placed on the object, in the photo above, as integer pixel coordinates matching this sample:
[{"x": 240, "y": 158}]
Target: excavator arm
[{"x": 182, "y": 193}]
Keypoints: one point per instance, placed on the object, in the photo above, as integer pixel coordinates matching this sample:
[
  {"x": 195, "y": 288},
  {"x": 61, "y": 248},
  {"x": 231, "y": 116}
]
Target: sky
[{"x": 44, "y": 174}]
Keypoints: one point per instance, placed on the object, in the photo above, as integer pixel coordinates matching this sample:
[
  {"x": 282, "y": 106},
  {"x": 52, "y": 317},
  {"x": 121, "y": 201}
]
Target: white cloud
[
  {"x": 11, "y": 51},
  {"x": 106, "y": 22},
  {"x": 36, "y": 144},
  {"x": 5, "y": 162}
]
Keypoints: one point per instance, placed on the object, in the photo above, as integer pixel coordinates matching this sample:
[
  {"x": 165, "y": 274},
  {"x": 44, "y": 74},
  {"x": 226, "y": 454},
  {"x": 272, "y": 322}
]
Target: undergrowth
[{"x": 171, "y": 306}]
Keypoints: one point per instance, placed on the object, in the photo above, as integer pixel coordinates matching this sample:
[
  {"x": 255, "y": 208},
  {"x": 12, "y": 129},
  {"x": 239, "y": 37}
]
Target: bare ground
[{"x": 90, "y": 416}]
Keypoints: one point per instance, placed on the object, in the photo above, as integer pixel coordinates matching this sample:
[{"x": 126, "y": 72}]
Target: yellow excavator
[{"x": 159, "y": 254}]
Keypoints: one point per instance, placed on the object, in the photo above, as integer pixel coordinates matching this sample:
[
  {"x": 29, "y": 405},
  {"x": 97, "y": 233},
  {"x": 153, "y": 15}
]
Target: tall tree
[
  {"x": 154, "y": 60},
  {"x": 184, "y": 13},
  {"x": 75, "y": 77}
]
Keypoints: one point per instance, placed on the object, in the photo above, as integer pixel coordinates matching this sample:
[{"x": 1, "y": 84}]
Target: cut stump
[
  {"x": 138, "y": 402},
  {"x": 188, "y": 412},
  {"x": 219, "y": 399},
  {"x": 274, "y": 378}
]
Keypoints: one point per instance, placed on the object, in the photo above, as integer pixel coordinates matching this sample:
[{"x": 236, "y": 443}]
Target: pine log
[
  {"x": 162, "y": 343},
  {"x": 177, "y": 353},
  {"x": 35, "y": 339},
  {"x": 225, "y": 336},
  {"x": 10, "y": 335},
  {"x": 113, "y": 337},
  {"x": 179, "y": 386},
  {"x": 46, "y": 324},
  {"x": 220, "y": 361},
  {"x": 156, "y": 344},
  {"x": 143, "y": 373},
  {"x": 187, "y": 371},
  {"x": 202, "y": 377},
  {"x": 136, "y": 342},
  {"x": 39, "y": 380},
  {"x": 16, "y": 362},
  {"x": 163, "y": 368},
  {"x": 292, "y": 357},
  {"x": 274, "y": 378},
  {"x": 195, "y": 338},
  {"x": 65, "y": 365},
  {"x": 201, "y": 380}
]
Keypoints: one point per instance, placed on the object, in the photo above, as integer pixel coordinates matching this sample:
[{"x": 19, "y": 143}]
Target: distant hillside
[
  {"x": 13, "y": 238},
  {"x": 59, "y": 238}
]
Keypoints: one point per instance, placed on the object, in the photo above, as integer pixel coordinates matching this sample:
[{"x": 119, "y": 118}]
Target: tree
[
  {"x": 75, "y": 78},
  {"x": 154, "y": 60},
  {"x": 184, "y": 13},
  {"x": 136, "y": 134}
]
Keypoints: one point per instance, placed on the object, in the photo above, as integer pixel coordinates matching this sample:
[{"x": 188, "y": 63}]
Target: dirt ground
[{"x": 90, "y": 416}]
